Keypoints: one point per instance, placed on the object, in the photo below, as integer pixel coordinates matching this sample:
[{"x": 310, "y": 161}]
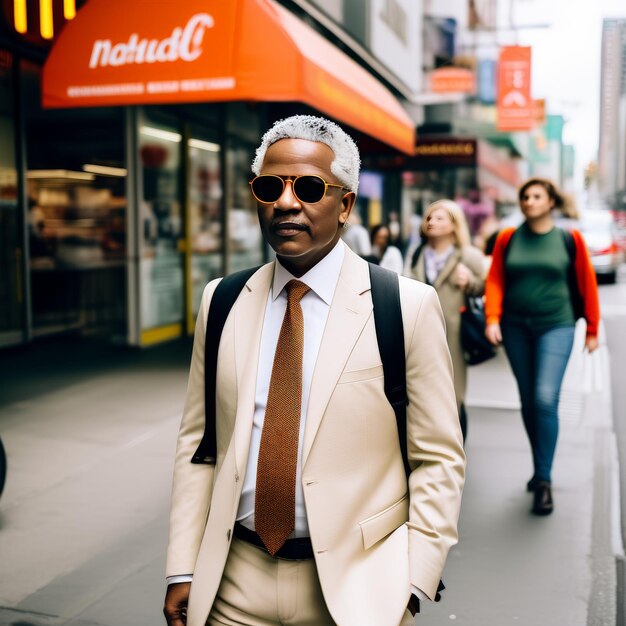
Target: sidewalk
[
  {"x": 90, "y": 433},
  {"x": 511, "y": 567},
  {"x": 83, "y": 520}
]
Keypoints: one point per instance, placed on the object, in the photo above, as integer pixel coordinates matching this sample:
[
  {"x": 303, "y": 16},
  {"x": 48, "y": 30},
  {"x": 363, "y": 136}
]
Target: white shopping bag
[{"x": 592, "y": 372}]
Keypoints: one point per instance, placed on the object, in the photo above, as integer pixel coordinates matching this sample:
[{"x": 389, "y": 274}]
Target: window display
[
  {"x": 11, "y": 293},
  {"x": 75, "y": 215},
  {"x": 205, "y": 216},
  {"x": 161, "y": 219},
  {"x": 77, "y": 241},
  {"x": 246, "y": 246}
]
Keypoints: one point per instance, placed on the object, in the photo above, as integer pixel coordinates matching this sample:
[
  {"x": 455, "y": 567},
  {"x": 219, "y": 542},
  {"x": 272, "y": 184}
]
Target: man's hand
[
  {"x": 414, "y": 605},
  {"x": 175, "y": 607},
  {"x": 494, "y": 334},
  {"x": 591, "y": 343}
]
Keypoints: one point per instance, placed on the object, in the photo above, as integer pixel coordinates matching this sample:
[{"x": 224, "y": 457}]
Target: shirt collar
[{"x": 322, "y": 278}]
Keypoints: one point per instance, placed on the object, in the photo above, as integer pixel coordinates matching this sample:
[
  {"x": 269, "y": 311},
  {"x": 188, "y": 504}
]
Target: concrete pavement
[
  {"x": 90, "y": 435},
  {"x": 511, "y": 567},
  {"x": 84, "y": 515}
]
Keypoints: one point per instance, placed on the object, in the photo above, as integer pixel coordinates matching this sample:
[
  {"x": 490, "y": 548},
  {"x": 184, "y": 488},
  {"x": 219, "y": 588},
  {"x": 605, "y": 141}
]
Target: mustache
[{"x": 277, "y": 223}]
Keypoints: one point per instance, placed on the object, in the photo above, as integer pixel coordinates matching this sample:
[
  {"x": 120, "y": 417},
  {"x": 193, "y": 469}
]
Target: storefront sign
[
  {"x": 452, "y": 80},
  {"x": 435, "y": 153},
  {"x": 165, "y": 56},
  {"x": 184, "y": 44},
  {"x": 215, "y": 51},
  {"x": 515, "y": 104}
]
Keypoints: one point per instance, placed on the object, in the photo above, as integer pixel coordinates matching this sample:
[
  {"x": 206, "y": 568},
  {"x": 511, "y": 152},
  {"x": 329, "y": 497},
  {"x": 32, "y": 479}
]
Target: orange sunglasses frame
[{"x": 292, "y": 181}]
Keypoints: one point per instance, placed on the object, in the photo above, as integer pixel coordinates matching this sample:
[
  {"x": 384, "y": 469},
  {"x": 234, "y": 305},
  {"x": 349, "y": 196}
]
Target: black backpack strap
[
  {"x": 570, "y": 244},
  {"x": 224, "y": 297},
  {"x": 416, "y": 253},
  {"x": 505, "y": 252},
  {"x": 390, "y": 338}
]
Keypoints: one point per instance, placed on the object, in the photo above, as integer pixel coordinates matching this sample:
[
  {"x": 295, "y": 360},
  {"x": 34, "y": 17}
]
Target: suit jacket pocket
[
  {"x": 362, "y": 374},
  {"x": 378, "y": 526}
]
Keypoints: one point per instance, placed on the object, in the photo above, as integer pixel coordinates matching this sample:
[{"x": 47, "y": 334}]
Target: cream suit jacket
[{"x": 371, "y": 537}]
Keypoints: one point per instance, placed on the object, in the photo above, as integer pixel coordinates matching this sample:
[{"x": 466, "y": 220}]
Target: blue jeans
[{"x": 538, "y": 361}]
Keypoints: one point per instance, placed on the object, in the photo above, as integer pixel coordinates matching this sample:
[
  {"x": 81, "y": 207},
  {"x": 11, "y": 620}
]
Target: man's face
[{"x": 303, "y": 234}]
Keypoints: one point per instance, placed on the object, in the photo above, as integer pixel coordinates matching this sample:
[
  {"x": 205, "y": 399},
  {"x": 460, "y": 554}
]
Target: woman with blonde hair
[{"x": 448, "y": 262}]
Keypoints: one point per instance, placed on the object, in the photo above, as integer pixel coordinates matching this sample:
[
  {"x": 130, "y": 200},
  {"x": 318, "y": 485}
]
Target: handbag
[{"x": 476, "y": 347}]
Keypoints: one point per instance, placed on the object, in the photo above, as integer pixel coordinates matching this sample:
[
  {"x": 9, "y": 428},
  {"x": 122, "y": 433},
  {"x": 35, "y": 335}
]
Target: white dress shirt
[{"x": 322, "y": 279}]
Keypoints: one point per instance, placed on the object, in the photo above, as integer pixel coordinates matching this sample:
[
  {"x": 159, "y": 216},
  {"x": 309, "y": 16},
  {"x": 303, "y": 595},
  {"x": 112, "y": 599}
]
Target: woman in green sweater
[{"x": 540, "y": 281}]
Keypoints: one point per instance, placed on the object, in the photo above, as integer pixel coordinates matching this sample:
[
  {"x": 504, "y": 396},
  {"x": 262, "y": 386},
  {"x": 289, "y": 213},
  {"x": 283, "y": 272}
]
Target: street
[
  {"x": 90, "y": 438},
  {"x": 614, "y": 313}
]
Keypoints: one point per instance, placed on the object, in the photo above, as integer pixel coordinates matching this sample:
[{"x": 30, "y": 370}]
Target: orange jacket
[{"x": 585, "y": 278}]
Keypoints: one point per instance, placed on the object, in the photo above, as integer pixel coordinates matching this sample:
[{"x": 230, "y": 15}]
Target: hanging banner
[{"x": 515, "y": 105}]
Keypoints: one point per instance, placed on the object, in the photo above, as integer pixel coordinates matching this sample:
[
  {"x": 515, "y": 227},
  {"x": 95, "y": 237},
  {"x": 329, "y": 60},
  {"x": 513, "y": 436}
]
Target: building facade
[
  {"x": 612, "y": 143},
  {"x": 124, "y": 188}
]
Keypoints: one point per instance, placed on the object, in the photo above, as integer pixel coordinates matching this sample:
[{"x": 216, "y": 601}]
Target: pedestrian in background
[
  {"x": 301, "y": 413},
  {"x": 447, "y": 261},
  {"x": 541, "y": 279},
  {"x": 388, "y": 256},
  {"x": 395, "y": 231},
  {"x": 356, "y": 236}
]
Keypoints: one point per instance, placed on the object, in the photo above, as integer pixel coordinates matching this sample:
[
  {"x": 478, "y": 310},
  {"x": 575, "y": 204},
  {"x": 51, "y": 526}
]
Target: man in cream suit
[{"x": 306, "y": 518}]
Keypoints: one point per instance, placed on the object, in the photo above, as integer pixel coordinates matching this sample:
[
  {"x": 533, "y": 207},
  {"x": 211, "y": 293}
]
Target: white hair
[{"x": 347, "y": 162}]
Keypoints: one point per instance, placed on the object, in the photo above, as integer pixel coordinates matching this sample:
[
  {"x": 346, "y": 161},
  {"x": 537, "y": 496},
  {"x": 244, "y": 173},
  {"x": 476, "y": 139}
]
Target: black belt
[{"x": 296, "y": 549}]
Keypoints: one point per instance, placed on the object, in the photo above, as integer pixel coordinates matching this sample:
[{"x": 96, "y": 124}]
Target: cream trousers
[{"x": 259, "y": 590}]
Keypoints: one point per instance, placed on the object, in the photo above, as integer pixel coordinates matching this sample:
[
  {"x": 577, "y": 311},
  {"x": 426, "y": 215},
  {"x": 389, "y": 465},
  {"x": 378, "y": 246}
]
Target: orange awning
[{"x": 122, "y": 52}]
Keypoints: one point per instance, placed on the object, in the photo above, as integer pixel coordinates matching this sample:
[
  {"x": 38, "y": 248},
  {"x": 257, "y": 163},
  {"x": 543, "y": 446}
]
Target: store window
[
  {"x": 162, "y": 227},
  {"x": 204, "y": 192},
  {"x": 76, "y": 214},
  {"x": 245, "y": 240},
  {"x": 11, "y": 294}
]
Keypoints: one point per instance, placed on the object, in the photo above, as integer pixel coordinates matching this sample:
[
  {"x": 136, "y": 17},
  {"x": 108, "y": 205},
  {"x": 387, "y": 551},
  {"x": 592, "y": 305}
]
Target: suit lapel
[
  {"x": 349, "y": 311},
  {"x": 249, "y": 315},
  {"x": 451, "y": 263}
]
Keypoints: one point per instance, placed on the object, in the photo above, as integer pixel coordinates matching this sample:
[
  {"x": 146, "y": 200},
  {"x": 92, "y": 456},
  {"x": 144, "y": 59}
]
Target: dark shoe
[
  {"x": 532, "y": 484},
  {"x": 542, "y": 502}
]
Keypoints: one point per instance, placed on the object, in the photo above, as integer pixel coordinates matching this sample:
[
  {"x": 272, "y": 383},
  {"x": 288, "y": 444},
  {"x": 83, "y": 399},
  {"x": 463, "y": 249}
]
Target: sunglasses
[{"x": 308, "y": 189}]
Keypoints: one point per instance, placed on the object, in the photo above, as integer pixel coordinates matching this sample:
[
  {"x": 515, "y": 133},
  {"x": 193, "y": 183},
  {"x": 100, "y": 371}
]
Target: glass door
[
  {"x": 245, "y": 243},
  {"x": 11, "y": 248},
  {"x": 161, "y": 229},
  {"x": 205, "y": 232}
]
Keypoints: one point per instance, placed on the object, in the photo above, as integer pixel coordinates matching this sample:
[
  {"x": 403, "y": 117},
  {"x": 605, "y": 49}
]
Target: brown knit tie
[{"x": 275, "y": 500}]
